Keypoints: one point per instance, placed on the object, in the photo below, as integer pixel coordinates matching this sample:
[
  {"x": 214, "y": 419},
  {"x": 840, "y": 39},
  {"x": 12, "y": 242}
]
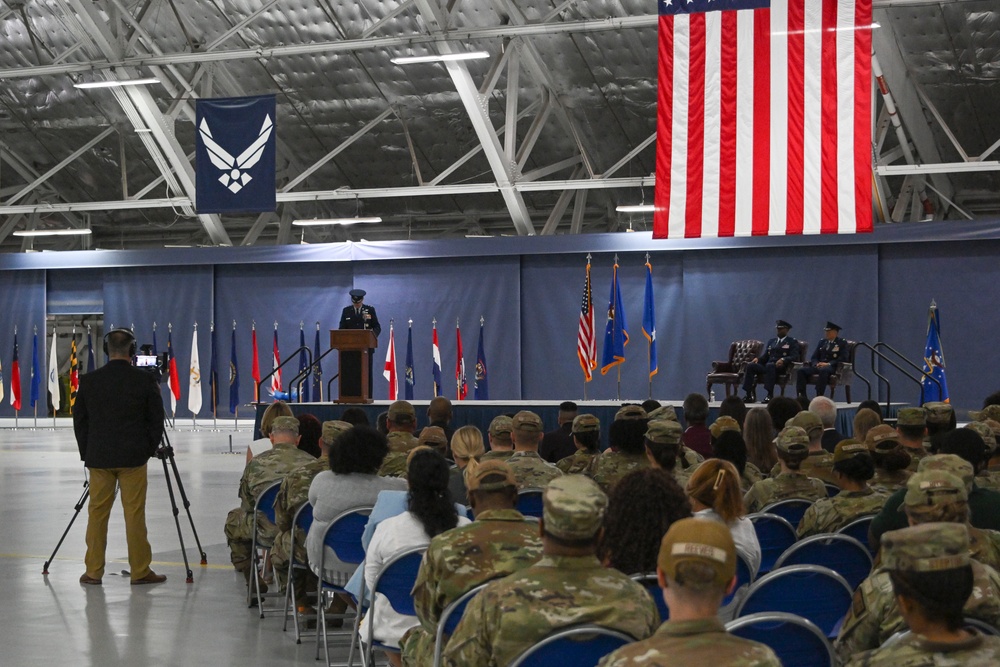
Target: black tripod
[{"x": 164, "y": 452}]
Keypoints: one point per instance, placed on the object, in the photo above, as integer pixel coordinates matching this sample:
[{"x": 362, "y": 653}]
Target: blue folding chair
[
  {"x": 303, "y": 520},
  {"x": 796, "y": 640},
  {"x": 858, "y": 529},
  {"x": 450, "y": 617},
  {"x": 529, "y": 502},
  {"x": 652, "y": 586},
  {"x": 395, "y": 581},
  {"x": 343, "y": 536},
  {"x": 775, "y": 535},
  {"x": 831, "y": 489},
  {"x": 813, "y": 592},
  {"x": 791, "y": 509},
  {"x": 841, "y": 553},
  {"x": 264, "y": 504},
  {"x": 575, "y": 646},
  {"x": 744, "y": 577}
]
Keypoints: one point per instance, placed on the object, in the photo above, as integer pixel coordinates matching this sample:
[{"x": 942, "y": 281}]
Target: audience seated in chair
[
  {"x": 852, "y": 468},
  {"x": 793, "y": 449},
  {"x": 714, "y": 491}
]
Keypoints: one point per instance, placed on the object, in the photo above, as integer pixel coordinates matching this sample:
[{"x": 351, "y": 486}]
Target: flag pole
[
  {"x": 320, "y": 383},
  {"x": 54, "y": 411},
  {"x": 434, "y": 322},
  {"x": 458, "y": 379},
  {"x": 194, "y": 417},
  {"x": 34, "y": 352},
  {"x": 619, "y": 395},
  {"x": 649, "y": 353}
]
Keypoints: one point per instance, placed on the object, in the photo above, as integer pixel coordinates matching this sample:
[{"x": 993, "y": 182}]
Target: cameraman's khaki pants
[{"x": 132, "y": 485}]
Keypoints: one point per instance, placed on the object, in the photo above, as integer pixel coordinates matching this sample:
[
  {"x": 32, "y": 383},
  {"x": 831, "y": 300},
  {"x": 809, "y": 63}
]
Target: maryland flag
[{"x": 74, "y": 372}]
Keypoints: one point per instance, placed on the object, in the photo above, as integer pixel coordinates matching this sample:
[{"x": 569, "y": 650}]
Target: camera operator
[{"x": 118, "y": 422}]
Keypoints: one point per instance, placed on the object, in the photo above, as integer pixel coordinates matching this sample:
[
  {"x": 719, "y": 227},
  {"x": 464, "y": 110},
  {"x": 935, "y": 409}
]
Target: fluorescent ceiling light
[
  {"x": 636, "y": 208},
  {"x": 410, "y": 60},
  {"x": 115, "y": 83},
  {"x": 334, "y": 221},
  {"x": 52, "y": 232}
]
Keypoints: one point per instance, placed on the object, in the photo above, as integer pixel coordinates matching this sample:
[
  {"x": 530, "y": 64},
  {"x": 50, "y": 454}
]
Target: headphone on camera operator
[{"x": 131, "y": 339}]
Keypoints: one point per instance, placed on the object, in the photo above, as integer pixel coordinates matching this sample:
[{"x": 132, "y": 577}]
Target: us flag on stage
[
  {"x": 586, "y": 342},
  {"x": 764, "y": 118}
]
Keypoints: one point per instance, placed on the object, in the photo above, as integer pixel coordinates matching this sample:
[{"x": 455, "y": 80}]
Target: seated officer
[
  {"x": 932, "y": 577},
  {"x": 778, "y": 356},
  {"x": 696, "y": 569}
]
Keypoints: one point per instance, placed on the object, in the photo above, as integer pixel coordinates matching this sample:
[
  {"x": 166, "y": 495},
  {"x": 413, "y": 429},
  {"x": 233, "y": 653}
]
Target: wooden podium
[{"x": 353, "y": 347}]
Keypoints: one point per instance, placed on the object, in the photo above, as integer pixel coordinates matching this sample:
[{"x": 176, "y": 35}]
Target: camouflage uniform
[
  {"x": 263, "y": 470},
  {"x": 612, "y": 466},
  {"x": 889, "y": 482},
  {"x": 817, "y": 464},
  {"x": 831, "y": 514},
  {"x": 292, "y": 495},
  {"x": 496, "y": 544},
  {"x": 400, "y": 444},
  {"x": 531, "y": 470},
  {"x": 916, "y": 651},
  {"x": 785, "y": 485},
  {"x": 512, "y": 614},
  {"x": 580, "y": 463},
  {"x": 701, "y": 642},
  {"x": 497, "y": 455}
]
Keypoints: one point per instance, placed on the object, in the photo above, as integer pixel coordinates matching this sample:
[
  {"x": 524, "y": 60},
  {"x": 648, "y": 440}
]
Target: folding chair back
[
  {"x": 775, "y": 535},
  {"x": 831, "y": 489},
  {"x": 395, "y": 581},
  {"x": 529, "y": 502},
  {"x": 796, "y": 640},
  {"x": 811, "y": 591},
  {"x": 841, "y": 553},
  {"x": 263, "y": 504},
  {"x": 303, "y": 520},
  {"x": 652, "y": 586},
  {"x": 744, "y": 577},
  {"x": 858, "y": 529},
  {"x": 791, "y": 509},
  {"x": 450, "y": 618},
  {"x": 577, "y": 646}
]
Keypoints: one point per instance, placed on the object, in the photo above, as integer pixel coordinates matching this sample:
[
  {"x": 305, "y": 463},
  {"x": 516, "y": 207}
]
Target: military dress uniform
[
  {"x": 498, "y": 543},
  {"x": 827, "y": 351},
  {"x": 263, "y": 470},
  {"x": 784, "y": 349},
  {"x": 358, "y": 317}
]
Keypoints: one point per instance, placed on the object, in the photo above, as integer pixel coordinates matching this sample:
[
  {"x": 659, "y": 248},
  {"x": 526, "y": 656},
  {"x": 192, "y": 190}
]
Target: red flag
[
  {"x": 390, "y": 366},
  {"x": 15, "y": 379},
  {"x": 173, "y": 380},
  {"x": 254, "y": 363},
  {"x": 275, "y": 362},
  {"x": 462, "y": 389},
  {"x": 764, "y": 115},
  {"x": 586, "y": 342}
]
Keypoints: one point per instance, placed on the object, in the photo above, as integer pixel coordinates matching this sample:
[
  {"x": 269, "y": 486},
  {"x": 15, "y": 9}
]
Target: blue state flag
[
  {"x": 616, "y": 331},
  {"x": 234, "y": 154},
  {"x": 91, "y": 359},
  {"x": 934, "y": 360},
  {"x": 317, "y": 379},
  {"x": 649, "y": 320},
  {"x": 213, "y": 376},
  {"x": 234, "y": 377},
  {"x": 482, "y": 392},
  {"x": 303, "y": 365},
  {"x": 36, "y": 371},
  {"x": 408, "y": 374}
]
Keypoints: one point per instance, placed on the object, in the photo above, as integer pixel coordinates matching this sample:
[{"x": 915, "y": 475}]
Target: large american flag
[
  {"x": 586, "y": 343},
  {"x": 764, "y": 118}
]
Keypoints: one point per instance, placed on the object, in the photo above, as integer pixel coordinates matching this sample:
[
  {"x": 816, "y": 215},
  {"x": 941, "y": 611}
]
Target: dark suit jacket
[
  {"x": 118, "y": 416},
  {"x": 830, "y": 439},
  {"x": 788, "y": 350},
  {"x": 557, "y": 445}
]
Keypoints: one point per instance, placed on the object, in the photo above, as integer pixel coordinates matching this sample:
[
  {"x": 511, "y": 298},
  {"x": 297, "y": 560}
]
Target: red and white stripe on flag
[{"x": 764, "y": 118}]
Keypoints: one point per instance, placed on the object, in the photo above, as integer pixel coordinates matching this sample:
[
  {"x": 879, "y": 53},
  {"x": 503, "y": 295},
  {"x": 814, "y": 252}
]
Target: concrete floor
[{"x": 52, "y": 619}]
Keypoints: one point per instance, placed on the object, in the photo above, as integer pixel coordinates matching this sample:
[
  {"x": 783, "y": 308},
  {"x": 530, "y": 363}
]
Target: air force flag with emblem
[{"x": 234, "y": 157}]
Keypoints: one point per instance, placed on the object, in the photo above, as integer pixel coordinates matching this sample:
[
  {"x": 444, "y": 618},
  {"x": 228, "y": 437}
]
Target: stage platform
[{"x": 481, "y": 413}]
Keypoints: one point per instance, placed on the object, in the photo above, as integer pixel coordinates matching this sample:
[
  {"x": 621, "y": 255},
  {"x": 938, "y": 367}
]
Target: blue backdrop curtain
[{"x": 22, "y": 304}]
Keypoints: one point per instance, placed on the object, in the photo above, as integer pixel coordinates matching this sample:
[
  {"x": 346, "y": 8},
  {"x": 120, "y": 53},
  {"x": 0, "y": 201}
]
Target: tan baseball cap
[
  {"x": 848, "y": 449},
  {"x": 723, "y": 424},
  {"x": 882, "y": 438},
  {"x": 702, "y": 541},
  {"x": 501, "y": 473}
]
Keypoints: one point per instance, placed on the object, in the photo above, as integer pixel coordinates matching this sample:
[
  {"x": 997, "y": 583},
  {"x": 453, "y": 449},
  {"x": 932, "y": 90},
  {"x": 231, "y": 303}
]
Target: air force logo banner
[{"x": 234, "y": 157}]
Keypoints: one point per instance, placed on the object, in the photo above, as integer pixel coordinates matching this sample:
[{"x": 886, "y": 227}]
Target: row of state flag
[
  {"x": 36, "y": 374},
  {"x": 481, "y": 390}
]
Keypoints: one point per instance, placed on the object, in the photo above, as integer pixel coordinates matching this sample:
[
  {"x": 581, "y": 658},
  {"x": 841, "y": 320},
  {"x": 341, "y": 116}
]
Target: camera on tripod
[{"x": 155, "y": 364}]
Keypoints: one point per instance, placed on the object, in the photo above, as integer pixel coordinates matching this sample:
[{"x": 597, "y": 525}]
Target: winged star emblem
[{"x": 234, "y": 169}]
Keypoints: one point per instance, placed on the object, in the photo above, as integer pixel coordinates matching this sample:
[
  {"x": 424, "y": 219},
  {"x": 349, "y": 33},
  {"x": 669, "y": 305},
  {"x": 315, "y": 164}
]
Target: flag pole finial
[
  {"x": 211, "y": 325},
  {"x": 36, "y": 328},
  {"x": 317, "y": 325},
  {"x": 647, "y": 258},
  {"x": 253, "y": 324},
  {"x": 302, "y": 324},
  {"x": 195, "y": 326},
  {"x": 616, "y": 258},
  {"x": 410, "y": 322},
  {"x": 434, "y": 322},
  {"x": 276, "y": 325},
  {"x": 154, "y": 325},
  {"x": 482, "y": 320},
  {"x": 234, "y": 325},
  {"x": 456, "y": 321},
  {"x": 390, "y": 322},
  {"x": 88, "y": 329},
  {"x": 170, "y": 327}
]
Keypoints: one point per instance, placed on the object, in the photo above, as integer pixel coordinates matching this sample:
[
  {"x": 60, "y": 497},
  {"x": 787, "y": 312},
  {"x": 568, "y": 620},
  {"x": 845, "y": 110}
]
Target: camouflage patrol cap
[
  {"x": 952, "y": 463},
  {"x": 573, "y": 507},
  {"x": 882, "y": 438},
  {"x": 984, "y": 430},
  {"x": 526, "y": 421},
  {"x": 285, "y": 424},
  {"x": 723, "y": 424},
  {"x": 808, "y": 422},
  {"x": 792, "y": 439},
  {"x": 664, "y": 432},
  {"x": 911, "y": 417},
  {"x": 333, "y": 428},
  {"x": 631, "y": 412},
  {"x": 989, "y": 412},
  {"x": 501, "y": 427},
  {"x": 930, "y": 547},
  {"x": 933, "y": 488},
  {"x": 499, "y": 470},
  {"x": 433, "y": 436},
  {"x": 699, "y": 540},
  {"x": 938, "y": 412},
  {"x": 848, "y": 449},
  {"x": 994, "y": 426},
  {"x": 402, "y": 412},
  {"x": 586, "y": 424},
  {"x": 667, "y": 412}
]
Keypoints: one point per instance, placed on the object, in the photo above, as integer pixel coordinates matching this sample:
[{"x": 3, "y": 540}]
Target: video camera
[{"x": 155, "y": 364}]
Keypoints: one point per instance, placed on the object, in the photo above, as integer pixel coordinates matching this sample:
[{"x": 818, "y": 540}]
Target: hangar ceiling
[{"x": 545, "y": 136}]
